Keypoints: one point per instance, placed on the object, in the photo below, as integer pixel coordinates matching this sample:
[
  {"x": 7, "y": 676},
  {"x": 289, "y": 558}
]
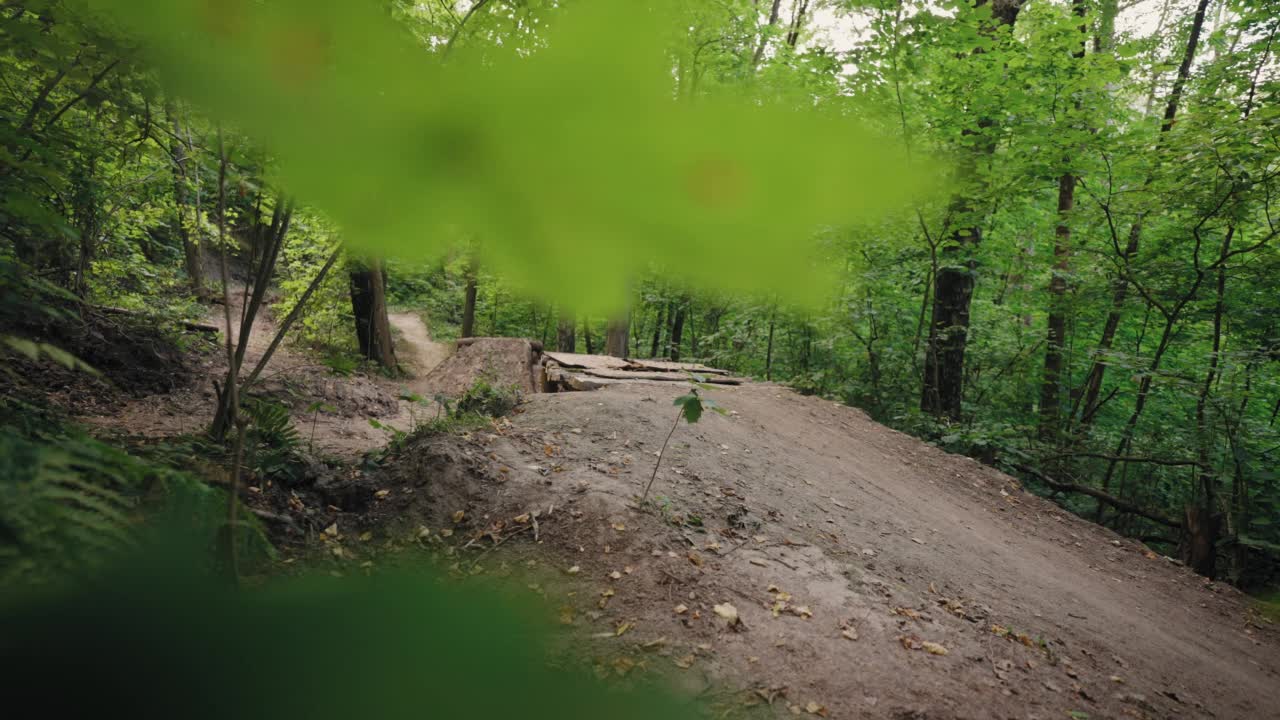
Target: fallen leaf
[
  {"x": 622, "y": 629},
  {"x": 933, "y": 648},
  {"x": 848, "y": 633},
  {"x": 423, "y": 531},
  {"x": 695, "y": 558},
  {"x": 574, "y": 570},
  {"x": 566, "y": 615},
  {"x": 814, "y": 708},
  {"x": 382, "y": 494},
  {"x": 681, "y": 609},
  {"x": 685, "y": 662},
  {"x": 446, "y": 532},
  {"x": 619, "y": 527},
  {"x": 729, "y": 613},
  {"x": 366, "y": 536},
  {"x": 802, "y": 611},
  {"x": 628, "y": 569},
  {"x": 332, "y": 530},
  {"x": 907, "y": 613},
  {"x": 758, "y": 562},
  {"x": 522, "y": 519},
  {"x": 458, "y": 516},
  {"x": 615, "y": 575}
]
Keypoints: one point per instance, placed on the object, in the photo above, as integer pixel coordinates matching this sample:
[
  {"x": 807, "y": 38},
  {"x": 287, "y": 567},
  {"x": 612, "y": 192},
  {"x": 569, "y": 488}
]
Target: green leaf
[{"x": 692, "y": 409}]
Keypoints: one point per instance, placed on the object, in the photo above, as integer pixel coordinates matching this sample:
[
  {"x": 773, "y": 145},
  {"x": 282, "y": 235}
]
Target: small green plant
[
  {"x": 691, "y": 407},
  {"x": 483, "y": 398},
  {"x": 398, "y": 436},
  {"x": 315, "y": 409},
  {"x": 271, "y": 439},
  {"x": 340, "y": 364}
]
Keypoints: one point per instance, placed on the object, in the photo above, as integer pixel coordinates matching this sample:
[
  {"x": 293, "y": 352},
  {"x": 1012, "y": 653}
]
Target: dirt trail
[
  {"x": 853, "y": 555},
  {"x": 416, "y": 352},
  {"x": 844, "y": 547},
  {"x": 340, "y": 428}
]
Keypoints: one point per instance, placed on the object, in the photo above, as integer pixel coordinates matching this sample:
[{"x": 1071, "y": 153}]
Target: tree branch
[{"x": 1117, "y": 503}]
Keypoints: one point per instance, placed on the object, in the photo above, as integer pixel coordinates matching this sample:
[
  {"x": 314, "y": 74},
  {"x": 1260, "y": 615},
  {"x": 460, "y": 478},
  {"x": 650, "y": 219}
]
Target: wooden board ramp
[{"x": 573, "y": 371}]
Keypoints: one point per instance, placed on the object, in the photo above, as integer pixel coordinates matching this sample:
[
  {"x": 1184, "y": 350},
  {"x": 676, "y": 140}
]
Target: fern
[
  {"x": 65, "y": 504},
  {"x": 270, "y": 425}
]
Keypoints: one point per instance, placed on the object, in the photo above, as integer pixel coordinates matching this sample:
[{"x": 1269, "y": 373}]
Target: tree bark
[
  {"x": 657, "y": 331},
  {"x": 617, "y": 333},
  {"x": 1206, "y": 521},
  {"x": 797, "y": 22},
  {"x": 586, "y": 336},
  {"x": 566, "y": 342},
  {"x": 193, "y": 262},
  {"x": 369, "y": 305},
  {"x": 1051, "y": 382},
  {"x": 764, "y": 35},
  {"x": 942, "y": 393},
  {"x": 768, "y": 353},
  {"x": 677, "y": 331},
  {"x": 469, "y": 303}
]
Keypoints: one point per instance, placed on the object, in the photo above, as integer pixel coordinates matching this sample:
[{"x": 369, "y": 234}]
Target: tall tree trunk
[
  {"x": 86, "y": 212},
  {"x": 617, "y": 333},
  {"x": 657, "y": 331},
  {"x": 586, "y": 335},
  {"x": 369, "y": 305},
  {"x": 566, "y": 342},
  {"x": 1051, "y": 383},
  {"x": 768, "y": 353},
  {"x": 469, "y": 303},
  {"x": 179, "y": 157},
  {"x": 942, "y": 393},
  {"x": 1120, "y": 292},
  {"x": 764, "y": 35},
  {"x": 1208, "y": 522},
  {"x": 677, "y": 331},
  {"x": 797, "y": 22}
]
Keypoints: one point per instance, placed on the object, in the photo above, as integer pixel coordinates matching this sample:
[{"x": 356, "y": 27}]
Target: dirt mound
[
  {"x": 501, "y": 362},
  {"x": 134, "y": 355},
  {"x": 870, "y": 575}
]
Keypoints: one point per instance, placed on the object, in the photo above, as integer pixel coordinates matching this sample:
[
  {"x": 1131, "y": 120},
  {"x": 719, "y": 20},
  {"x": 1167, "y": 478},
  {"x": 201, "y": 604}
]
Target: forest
[{"x": 1036, "y": 233}]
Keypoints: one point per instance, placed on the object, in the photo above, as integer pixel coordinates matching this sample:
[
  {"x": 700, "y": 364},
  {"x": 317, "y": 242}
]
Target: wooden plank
[
  {"x": 669, "y": 366},
  {"x": 595, "y": 362},
  {"x": 660, "y": 376}
]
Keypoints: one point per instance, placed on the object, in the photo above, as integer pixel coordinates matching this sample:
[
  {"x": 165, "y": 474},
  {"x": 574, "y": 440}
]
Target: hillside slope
[{"x": 854, "y": 557}]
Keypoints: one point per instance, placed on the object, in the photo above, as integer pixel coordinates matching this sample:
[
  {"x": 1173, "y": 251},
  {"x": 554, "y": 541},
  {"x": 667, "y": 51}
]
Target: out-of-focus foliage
[
  {"x": 569, "y": 156},
  {"x": 387, "y": 646}
]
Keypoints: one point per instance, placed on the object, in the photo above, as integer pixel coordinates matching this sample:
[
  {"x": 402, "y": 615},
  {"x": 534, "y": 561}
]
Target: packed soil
[
  {"x": 793, "y": 551},
  {"x": 871, "y": 575},
  {"x": 500, "y": 362}
]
